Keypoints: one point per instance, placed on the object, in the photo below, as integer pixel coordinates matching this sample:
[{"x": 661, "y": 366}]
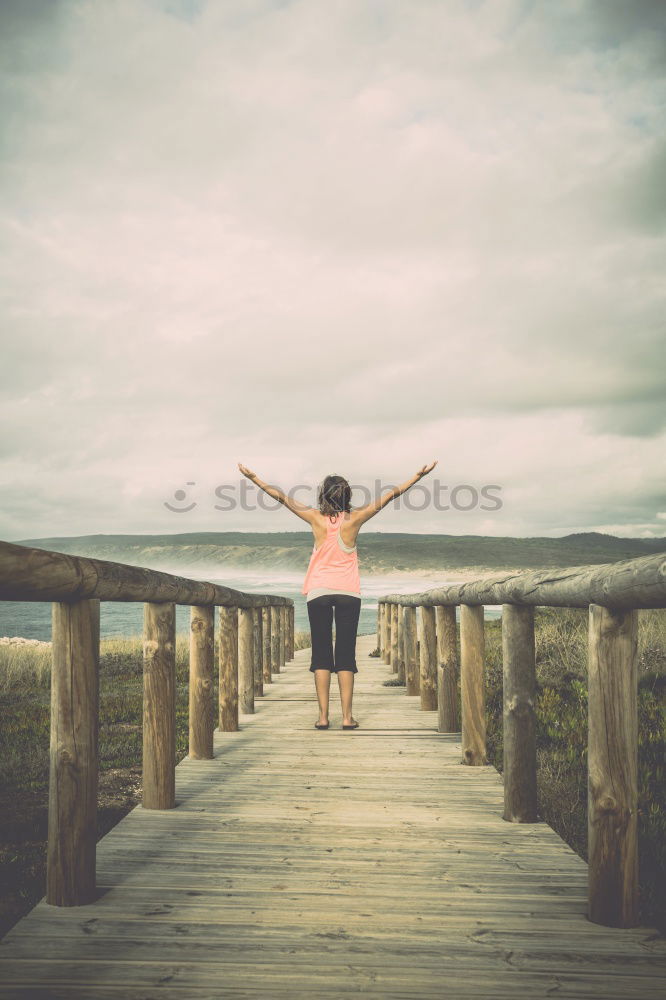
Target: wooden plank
[{"x": 304, "y": 864}]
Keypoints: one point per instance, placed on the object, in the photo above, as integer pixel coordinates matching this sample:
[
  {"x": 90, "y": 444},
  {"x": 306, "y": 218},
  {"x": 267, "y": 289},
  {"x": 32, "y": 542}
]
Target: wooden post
[
  {"x": 380, "y": 612},
  {"x": 275, "y": 639},
  {"x": 519, "y": 688},
  {"x": 228, "y": 694},
  {"x": 401, "y": 644},
  {"x": 292, "y": 630},
  {"x": 389, "y": 623},
  {"x": 472, "y": 651},
  {"x": 283, "y": 635},
  {"x": 72, "y": 833},
  {"x": 258, "y": 653},
  {"x": 202, "y": 657},
  {"x": 246, "y": 660},
  {"x": 287, "y": 633},
  {"x": 380, "y": 625},
  {"x": 159, "y": 705},
  {"x": 412, "y": 671},
  {"x": 394, "y": 638},
  {"x": 612, "y": 761},
  {"x": 428, "y": 660},
  {"x": 447, "y": 670},
  {"x": 266, "y": 637}
]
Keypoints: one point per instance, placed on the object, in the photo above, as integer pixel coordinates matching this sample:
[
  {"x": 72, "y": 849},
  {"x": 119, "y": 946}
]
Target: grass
[
  {"x": 561, "y": 715},
  {"x": 561, "y": 646}
]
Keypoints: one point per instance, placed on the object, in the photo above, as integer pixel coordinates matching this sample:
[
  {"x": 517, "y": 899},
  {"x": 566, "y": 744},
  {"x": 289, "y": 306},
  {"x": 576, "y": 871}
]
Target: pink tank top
[{"x": 331, "y": 565}]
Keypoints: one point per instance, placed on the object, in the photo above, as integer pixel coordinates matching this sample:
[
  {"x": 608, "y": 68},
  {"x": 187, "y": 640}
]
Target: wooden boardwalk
[{"x": 315, "y": 864}]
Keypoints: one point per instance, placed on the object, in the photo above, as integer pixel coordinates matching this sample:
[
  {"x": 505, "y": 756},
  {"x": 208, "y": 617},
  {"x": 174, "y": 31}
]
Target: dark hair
[{"x": 334, "y": 495}]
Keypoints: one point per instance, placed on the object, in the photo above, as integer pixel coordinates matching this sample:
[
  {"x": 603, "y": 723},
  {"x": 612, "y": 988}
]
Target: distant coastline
[{"x": 454, "y": 557}]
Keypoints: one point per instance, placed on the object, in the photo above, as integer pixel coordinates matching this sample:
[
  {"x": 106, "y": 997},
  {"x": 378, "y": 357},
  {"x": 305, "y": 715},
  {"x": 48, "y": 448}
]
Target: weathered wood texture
[
  {"x": 291, "y": 611},
  {"x": 447, "y": 670},
  {"x": 401, "y": 645},
  {"x": 266, "y": 638},
  {"x": 282, "y": 612},
  {"x": 381, "y": 610},
  {"x": 159, "y": 705},
  {"x": 428, "y": 660},
  {"x": 612, "y": 761},
  {"x": 258, "y": 653},
  {"x": 246, "y": 660},
  {"x": 395, "y": 611},
  {"x": 323, "y": 865},
  {"x": 29, "y": 574},
  {"x": 275, "y": 640},
  {"x": 472, "y": 685},
  {"x": 519, "y": 713},
  {"x": 287, "y": 639},
  {"x": 389, "y": 621},
  {"x": 412, "y": 668},
  {"x": 228, "y": 670},
  {"x": 72, "y": 836},
  {"x": 631, "y": 583},
  {"x": 202, "y": 666}
]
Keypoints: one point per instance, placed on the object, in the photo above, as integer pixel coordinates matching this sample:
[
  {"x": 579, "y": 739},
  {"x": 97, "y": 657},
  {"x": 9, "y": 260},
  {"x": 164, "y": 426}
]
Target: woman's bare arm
[
  {"x": 295, "y": 506},
  {"x": 364, "y": 514}
]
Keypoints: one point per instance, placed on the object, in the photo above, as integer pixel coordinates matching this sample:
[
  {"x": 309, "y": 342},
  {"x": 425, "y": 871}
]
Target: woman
[{"x": 332, "y": 581}]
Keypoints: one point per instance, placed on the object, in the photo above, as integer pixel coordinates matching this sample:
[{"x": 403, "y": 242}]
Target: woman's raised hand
[
  {"x": 246, "y": 472},
  {"x": 426, "y": 469}
]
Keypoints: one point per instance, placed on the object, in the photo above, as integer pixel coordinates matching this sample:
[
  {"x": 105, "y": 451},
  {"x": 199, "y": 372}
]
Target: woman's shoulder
[{"x": 355, "y": 514}]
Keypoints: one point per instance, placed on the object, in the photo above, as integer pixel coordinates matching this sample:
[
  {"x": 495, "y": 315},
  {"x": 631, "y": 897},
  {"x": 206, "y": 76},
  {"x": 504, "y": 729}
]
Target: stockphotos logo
[{"x": 246, "y": 495}]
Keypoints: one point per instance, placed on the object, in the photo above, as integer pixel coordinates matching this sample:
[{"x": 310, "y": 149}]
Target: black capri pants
[{"x": 320, "y": 613}]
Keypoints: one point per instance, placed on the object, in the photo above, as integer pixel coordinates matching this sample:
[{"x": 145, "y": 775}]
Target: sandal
[
  {"x": 353, "y": 726},
  {"x": 321, "y": 725}
]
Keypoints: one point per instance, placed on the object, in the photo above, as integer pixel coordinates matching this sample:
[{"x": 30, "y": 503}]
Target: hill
[{"x": 379, "y": 552}]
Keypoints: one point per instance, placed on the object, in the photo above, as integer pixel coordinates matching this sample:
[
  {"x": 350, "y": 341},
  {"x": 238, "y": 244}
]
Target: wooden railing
[
  {"x": 256, "y": 639},
  {"x": 613, "y": 593}
]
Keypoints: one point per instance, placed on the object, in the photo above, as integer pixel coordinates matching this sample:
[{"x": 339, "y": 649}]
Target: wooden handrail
[
  {"x": 29, "y": 574},
  {"x": 613, "y": 594},
  {"x": 75, "y": 585},
  {"x": 632, "y": 583}
]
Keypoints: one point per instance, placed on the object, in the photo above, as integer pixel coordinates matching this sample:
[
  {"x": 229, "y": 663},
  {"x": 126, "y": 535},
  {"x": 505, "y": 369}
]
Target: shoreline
[{"x": 431, "y": 578}]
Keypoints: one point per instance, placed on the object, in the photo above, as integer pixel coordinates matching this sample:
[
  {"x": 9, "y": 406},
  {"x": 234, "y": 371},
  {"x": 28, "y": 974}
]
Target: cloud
[{"x": 306, "y": 234}]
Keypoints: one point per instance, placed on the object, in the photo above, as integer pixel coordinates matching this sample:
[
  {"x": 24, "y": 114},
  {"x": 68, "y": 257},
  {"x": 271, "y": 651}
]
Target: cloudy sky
[{"x": 344, "y": 236}]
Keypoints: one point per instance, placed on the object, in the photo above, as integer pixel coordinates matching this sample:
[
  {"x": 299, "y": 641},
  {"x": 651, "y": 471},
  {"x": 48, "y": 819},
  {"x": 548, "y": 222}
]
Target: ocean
[{"x": 32, "y": 620}]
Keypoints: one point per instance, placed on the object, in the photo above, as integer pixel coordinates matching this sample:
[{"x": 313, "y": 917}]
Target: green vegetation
[{"x": 561, "y": 650}]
